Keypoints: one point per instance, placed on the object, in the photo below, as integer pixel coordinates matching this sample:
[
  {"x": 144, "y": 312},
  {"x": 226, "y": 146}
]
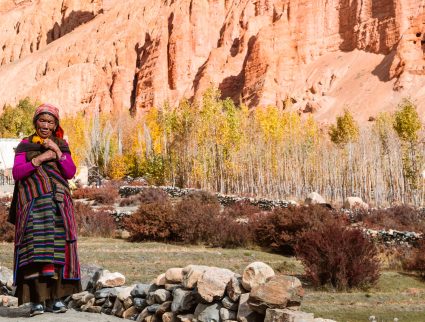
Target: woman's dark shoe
[
  {"x": 55, "y": 306},
  {"x": 36, "y": 309}
]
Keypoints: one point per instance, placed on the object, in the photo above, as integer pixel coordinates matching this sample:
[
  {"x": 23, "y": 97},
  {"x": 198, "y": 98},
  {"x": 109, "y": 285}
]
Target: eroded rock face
[{"x": 115, "y": 55}]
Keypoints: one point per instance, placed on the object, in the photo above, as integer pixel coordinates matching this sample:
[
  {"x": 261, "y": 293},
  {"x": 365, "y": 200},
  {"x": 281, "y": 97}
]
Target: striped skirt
[
  {"x": 42, "y": 254},
  {"x": 44, "y": 236}
]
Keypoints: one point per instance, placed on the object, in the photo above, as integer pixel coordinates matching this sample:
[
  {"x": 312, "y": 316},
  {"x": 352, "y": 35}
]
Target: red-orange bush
[
  {"x": 280, "y": 228},
  {"x": 241, "y": 210},
  {"x": 152, "y": 220},
  {"x": 195, "y": 217},
  {"x": 416, "y": 260},
  {"x": 337, "y": 255},
  {"x": 147, "y": 195},
  {"x": 226, "y": 232},
  {"x": 402, "y": 217},
  {"x": 7, "y": 230},
  {"x": 92, "y": 223},
  {"x": 106, "y": 194}
]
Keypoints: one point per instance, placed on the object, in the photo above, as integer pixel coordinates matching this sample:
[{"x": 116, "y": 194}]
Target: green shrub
[{"x": 16, "y": 121}]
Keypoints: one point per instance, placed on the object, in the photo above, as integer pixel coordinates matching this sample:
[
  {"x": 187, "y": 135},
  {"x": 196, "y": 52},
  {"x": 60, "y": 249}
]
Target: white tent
[{"x": 7, "y": 153}]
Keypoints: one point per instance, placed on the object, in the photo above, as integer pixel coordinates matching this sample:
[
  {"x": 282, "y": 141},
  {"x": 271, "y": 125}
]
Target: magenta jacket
[{"x": 23, "y": 168}]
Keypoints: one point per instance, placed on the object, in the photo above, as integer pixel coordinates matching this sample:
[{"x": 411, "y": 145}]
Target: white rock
[
  {"x": 160, "y": 280},
  {"x": 212, "y": 283},
  {"x": 174, "y": 275},
  {"x": 355, "y": 203},
  {"x": 108, "y": 279},
  {"x": 314, "y": 198},
  {"x": 191, "y": 274},
  {"x": 256, "y": 274}
]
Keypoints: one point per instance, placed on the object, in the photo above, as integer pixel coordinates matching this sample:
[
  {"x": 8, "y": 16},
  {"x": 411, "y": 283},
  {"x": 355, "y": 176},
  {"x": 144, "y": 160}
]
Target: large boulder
[
  {"x": 162, "y": 296},
  {"x": 139, "y": 303},
  {"x": 229, "y": 304},
  {"x": 255, "y": 274},
  {"x": 125, "y": 293},
  {"x": 110, "y": 292},
  {"x": 314, "y": 198},
  {"x": 131, "y": 312},
  {"x": 160, "y": 280},
  {"x": 245, "y": 313},
  {"x": 234, "y": 289},
  {"x": 355, "y": 203},
  {"x": 184, "y": 300},
  {"x": 208, "y": 312},
  {"x": 277, "y": 293},
  {"x": 212, "y": 284},
  {"x": 142, "y": 290},
  {"x": 174, "y": 275},
  {"x": 285, "y": 315},
  {"x": 118, "y": 308},
  {"x": 89, "y": 276},
  {"x": 164, "y": 307},
  {"x": 191, "y": 274},
  {"x": 108, "y": 279}
]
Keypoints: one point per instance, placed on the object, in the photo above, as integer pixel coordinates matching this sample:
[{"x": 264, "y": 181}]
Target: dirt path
[{"x": 22, "y": 314}]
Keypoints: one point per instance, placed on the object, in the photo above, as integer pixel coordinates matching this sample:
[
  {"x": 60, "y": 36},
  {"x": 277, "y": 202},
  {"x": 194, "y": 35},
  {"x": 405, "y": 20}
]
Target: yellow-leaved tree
[{"x": 407, "y": 124}]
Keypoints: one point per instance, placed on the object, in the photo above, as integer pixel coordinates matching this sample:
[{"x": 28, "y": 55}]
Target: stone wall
[
  {"x": 225, "y": 200},
  {"x": 193, "y": 293}
]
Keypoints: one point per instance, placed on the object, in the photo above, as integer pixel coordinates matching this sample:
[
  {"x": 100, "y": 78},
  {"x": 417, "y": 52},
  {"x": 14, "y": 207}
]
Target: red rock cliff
[{"x": 309, "y": 55}]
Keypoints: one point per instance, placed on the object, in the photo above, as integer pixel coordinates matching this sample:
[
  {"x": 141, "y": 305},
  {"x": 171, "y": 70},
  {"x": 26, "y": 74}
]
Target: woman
[{"x": 46, "y": 266}]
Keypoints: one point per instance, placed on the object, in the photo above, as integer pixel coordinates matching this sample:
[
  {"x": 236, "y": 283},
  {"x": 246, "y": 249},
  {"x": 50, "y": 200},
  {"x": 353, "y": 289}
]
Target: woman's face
[{"x": 45, "y": 125}]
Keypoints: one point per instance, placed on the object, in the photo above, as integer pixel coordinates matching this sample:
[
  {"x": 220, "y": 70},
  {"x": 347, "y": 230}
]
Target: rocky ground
[{"x": 22, "y": 314}]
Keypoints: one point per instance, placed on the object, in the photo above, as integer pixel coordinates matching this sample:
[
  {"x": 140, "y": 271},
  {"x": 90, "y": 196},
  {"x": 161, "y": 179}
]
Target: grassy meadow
[{"x": 396, "y": 295}]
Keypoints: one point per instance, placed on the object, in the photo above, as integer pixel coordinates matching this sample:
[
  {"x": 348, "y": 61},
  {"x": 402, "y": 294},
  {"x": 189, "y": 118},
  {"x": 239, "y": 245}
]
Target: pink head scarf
[{"x": 52, "y": 110}]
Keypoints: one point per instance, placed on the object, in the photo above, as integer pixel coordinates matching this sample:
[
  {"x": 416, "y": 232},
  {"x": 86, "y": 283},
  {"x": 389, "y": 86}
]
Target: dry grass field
[{"x": 397, "y": 295}]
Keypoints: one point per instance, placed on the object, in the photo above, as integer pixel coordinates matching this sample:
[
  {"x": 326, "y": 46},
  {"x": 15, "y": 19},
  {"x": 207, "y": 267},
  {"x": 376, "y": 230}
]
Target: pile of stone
[
  {"x": 394, "y": 237},
  {"x": 225, "y": 200},
  {"x": 196, "y": 293}
]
